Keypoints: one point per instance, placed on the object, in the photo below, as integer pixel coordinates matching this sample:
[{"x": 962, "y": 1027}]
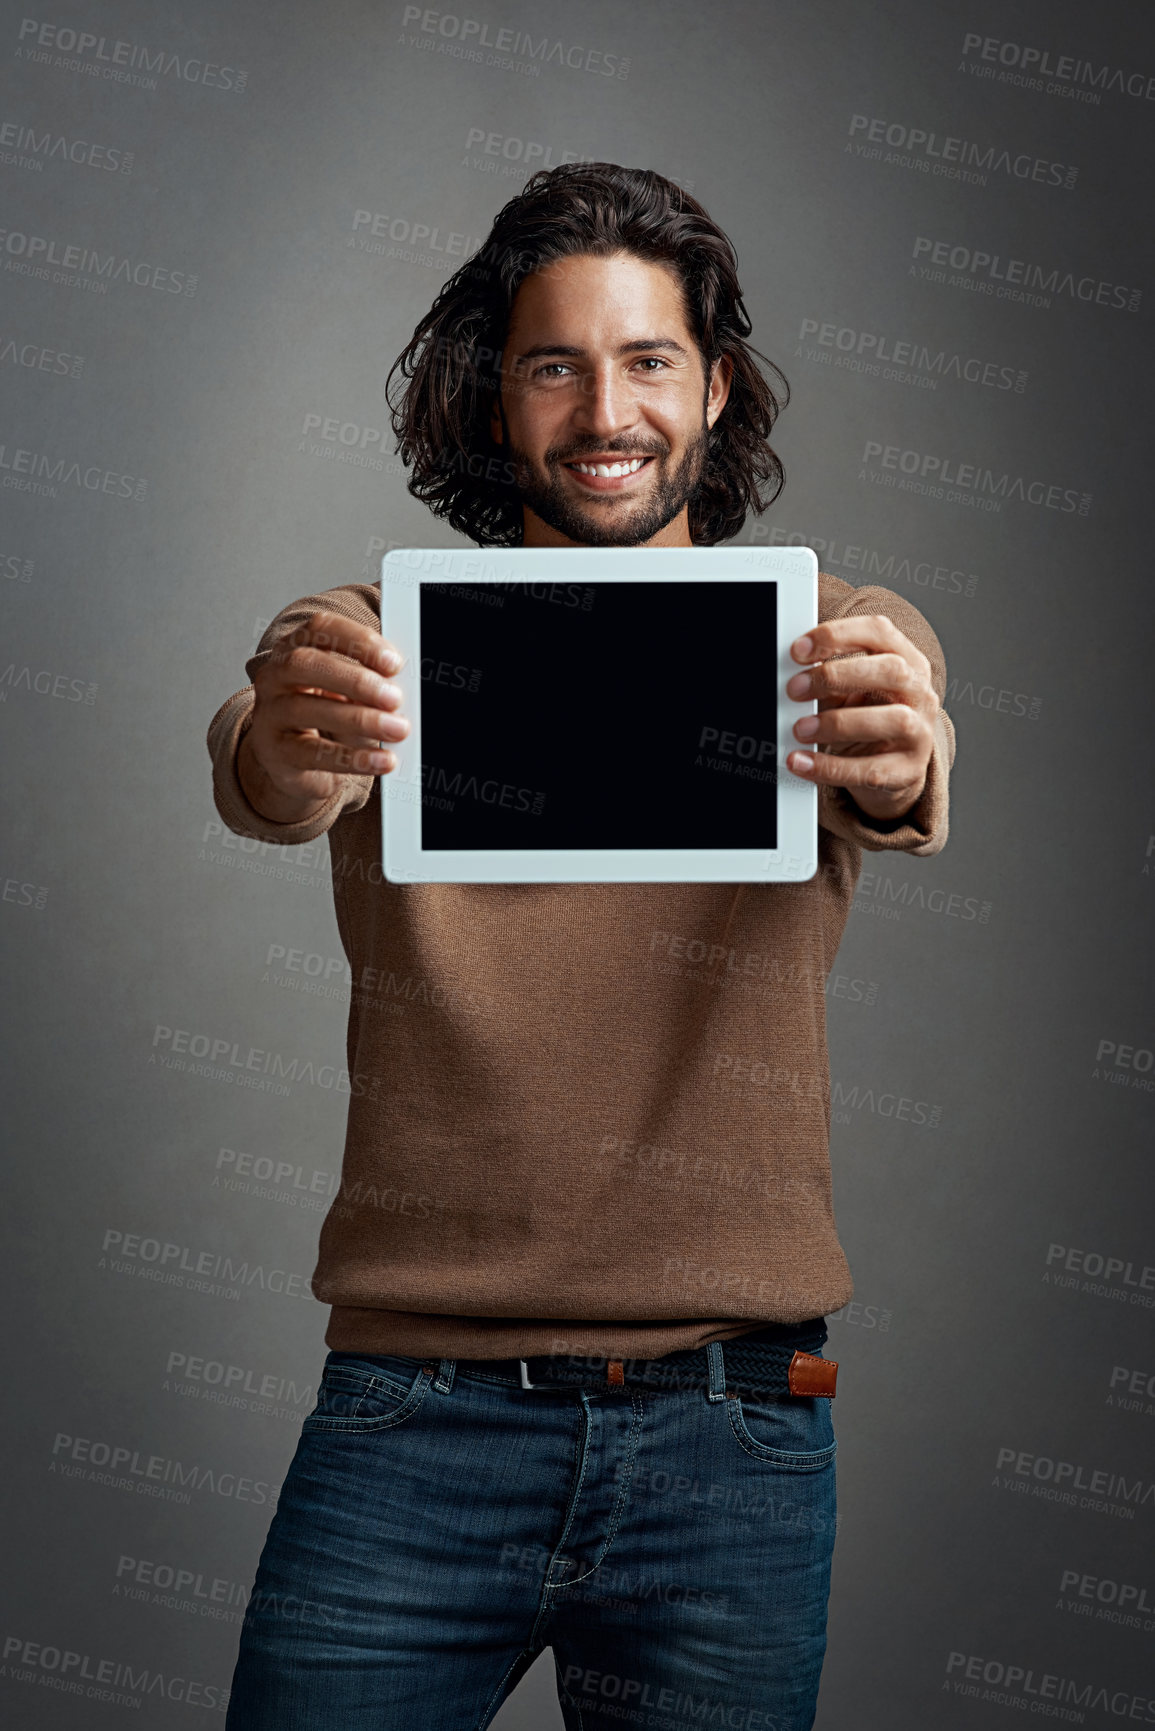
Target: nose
[{"x": 606, "y": 406}]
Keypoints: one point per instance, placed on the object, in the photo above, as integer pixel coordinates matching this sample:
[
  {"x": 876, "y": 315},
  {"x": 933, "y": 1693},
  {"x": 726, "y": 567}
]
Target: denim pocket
[
  {"x": 355, "y": 1395},
  {"x": 795, "y": 1432}
]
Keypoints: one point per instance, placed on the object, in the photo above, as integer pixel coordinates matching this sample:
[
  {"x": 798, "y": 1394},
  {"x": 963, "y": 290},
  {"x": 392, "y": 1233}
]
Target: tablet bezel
[{"x": 403, "y": 570}]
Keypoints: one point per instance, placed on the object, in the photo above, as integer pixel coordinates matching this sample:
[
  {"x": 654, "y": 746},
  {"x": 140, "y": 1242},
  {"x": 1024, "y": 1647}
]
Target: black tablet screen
[{"x": 607, "y": 715}]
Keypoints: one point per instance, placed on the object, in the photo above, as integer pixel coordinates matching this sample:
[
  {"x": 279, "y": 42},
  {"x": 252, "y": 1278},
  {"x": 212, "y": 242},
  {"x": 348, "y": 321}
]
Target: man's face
[{"x": 600, "y": 368}]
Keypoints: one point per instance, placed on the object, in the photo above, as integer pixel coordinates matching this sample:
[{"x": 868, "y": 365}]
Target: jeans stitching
[
  {"x": 344, "y": 1378},
  {"x": 497, "y": 1696},
  {"x": 616, "y": 1517},
  {"x": 546, "y": 1605},
  {"x": 809, "y": 1461},
  {"x": 369, "y": 1426}
]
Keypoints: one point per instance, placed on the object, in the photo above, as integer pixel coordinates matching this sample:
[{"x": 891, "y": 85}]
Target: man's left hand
[{"x": 876, "y": 712}]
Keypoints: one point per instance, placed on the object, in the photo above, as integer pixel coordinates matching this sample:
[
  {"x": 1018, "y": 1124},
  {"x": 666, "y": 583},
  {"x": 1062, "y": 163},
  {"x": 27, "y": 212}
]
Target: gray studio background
[{"x": 283, "y": 190}]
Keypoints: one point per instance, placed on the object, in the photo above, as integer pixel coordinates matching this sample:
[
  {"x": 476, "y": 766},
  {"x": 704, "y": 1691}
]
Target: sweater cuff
[
  {"x": 921, "y": 830},
  {"x": 226, "y": 730}
]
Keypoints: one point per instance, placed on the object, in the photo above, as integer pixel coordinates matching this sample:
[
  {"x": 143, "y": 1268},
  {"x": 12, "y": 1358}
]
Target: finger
[
  {"x": 887, "y": 672},
  {"x": 883, "y": 772},
  {"x": 864, "y": 723},
  {"x": 349, "y": 723},
  {"x": 309, "y": 751},
  {"x": 859, "y": 631},
  {"x": 309, "y": 671},
  {"x": 333, "y": 633}
]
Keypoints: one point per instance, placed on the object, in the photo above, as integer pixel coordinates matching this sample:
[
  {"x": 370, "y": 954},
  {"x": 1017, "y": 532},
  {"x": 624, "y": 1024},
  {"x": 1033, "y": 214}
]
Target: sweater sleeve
[
  {"x": 232, "y": 721},
  {"x": 923, "y": 829}
]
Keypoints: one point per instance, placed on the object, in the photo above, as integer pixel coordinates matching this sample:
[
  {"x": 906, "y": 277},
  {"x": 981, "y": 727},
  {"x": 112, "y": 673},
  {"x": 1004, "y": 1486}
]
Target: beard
[{"x": 611, "y": 520}]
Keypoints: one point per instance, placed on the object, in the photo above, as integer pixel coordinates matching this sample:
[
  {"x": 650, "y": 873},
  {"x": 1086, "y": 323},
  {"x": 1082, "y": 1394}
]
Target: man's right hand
[{"x": 323, "y": 702}]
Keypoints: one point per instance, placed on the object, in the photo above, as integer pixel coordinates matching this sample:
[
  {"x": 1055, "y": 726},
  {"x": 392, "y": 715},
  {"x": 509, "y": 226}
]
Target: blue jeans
[{"x": 439, "y": 1527}]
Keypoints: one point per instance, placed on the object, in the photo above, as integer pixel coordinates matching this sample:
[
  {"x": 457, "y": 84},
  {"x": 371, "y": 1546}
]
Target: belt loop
[
  {"x": 444, "y": 1380},
  {"x": 717, "y": 1369}
]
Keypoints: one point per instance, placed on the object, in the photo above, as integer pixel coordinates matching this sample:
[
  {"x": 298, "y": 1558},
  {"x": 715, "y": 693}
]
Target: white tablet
[{"x": 598, "y": 715}]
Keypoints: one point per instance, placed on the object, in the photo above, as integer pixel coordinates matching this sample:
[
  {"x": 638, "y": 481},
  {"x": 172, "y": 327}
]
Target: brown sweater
[{"x": 583, "y": 1117}]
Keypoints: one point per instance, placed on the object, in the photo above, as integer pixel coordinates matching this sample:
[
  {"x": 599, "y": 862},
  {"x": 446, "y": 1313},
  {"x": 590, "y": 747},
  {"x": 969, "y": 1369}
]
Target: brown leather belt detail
[
  {"x": 811, "y": 1375},
  {"x": 616, "y": 1373}
]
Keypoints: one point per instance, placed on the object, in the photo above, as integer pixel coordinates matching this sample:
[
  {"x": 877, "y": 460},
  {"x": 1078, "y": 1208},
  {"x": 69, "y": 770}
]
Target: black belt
[{"x": 755, "y": 1363}]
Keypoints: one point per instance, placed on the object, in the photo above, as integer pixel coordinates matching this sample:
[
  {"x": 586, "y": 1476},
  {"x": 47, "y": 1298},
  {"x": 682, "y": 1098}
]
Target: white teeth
[{"x": 614, "y": 470}]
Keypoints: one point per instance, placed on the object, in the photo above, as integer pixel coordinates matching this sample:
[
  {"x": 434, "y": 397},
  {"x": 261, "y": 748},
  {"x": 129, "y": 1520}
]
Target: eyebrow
[{"x": 642, "y": 345}]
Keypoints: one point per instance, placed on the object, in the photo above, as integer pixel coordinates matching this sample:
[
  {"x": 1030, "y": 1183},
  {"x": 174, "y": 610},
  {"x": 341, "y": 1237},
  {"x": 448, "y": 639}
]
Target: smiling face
[{"x": 605, "y": 404}]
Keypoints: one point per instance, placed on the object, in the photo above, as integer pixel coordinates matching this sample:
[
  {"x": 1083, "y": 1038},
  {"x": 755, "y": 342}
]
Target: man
[{"x": 584, "y": 1243}]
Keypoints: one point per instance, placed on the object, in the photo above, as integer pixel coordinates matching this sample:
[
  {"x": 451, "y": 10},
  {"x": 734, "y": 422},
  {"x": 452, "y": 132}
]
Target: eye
[
  {"x": 651, "y": 361},
  {"x": 551, "y": 370}
]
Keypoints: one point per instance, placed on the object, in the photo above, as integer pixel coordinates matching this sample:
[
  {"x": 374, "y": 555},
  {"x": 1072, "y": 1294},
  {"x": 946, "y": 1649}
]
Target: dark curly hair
[{"x": 441, "y": 388}]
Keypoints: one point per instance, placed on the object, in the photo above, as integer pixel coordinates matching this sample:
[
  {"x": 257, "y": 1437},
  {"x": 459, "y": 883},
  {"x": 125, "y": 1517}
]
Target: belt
[{"x": 774, "y": 1362}]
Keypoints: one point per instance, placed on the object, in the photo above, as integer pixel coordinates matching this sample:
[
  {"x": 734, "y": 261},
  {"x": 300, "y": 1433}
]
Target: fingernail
[
  {"x": 807, "y": 728},
  {"x": 803, "y": 649},
  {"x": 799, "y": 686},
  {"x": 800, "y": 762},
  {"x": 390, "y": 660}
]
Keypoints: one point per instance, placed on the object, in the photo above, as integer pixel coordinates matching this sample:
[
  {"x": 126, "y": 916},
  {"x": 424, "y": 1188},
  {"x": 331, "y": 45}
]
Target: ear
[{"x": 718, "y": 393}]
